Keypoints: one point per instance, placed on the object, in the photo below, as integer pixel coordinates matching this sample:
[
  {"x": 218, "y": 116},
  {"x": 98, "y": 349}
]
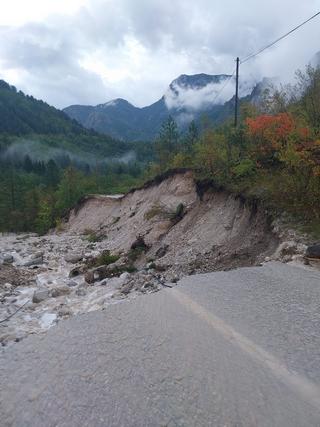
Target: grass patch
[{"x": 106, "y": 258}]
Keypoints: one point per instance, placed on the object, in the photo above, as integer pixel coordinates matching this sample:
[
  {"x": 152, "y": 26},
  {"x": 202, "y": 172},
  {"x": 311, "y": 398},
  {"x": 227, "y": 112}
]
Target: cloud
[
  {"x": 90, "y": 51},
  {"x": 195, "y": 99},
  {"x": 39, "y": 151}
]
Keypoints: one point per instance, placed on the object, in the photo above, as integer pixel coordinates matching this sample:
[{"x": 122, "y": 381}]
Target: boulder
[
  {"x": 73, "y": 258},
  {"x": 32, "y": 262},
  {"x": 313, "y": 251},
  {"x": 40, "y": 295},
  {"x": 77, "y": 271},
  {"x": 72, "y": 284},
  {"x": 89, "y": 277},
  {"x": 60, "y": 291},
  {"x": 8, "y": 259}
]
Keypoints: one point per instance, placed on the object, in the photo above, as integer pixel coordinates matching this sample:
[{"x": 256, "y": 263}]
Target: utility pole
[{"x": 237, "y": 95}]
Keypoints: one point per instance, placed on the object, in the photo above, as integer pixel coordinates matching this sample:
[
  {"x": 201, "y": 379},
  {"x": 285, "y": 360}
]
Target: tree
[
  {"x": 166, "y": 143},
  {"x": 309, "y": 90},
  {"x": 191, "y": 137}
]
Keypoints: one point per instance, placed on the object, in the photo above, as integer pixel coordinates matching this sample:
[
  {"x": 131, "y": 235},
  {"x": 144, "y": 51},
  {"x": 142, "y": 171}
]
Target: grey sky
[{"x": 90, "y": 51}]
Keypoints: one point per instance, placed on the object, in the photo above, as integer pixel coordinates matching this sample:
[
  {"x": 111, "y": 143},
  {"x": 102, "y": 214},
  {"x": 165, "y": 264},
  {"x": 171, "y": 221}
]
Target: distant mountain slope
[
  {"x": 23, "y": 116},
  {"x": 187, "y": 98}
]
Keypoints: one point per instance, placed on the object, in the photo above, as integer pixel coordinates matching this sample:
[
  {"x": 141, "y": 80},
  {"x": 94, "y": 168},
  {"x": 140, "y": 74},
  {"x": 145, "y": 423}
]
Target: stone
[
  {"x": 81, "y": 292},
  {"x": 64, "y": 311},
  {"x": 40, "y": 295},
  {"x": 72, "y": 284},
  {"x": 8, "y": 287},
  {"x": 313, "y": 251},
  {"x": 37, "y": 255},
  {"x": 60, "y": 291},
  {"x": 33, "y": 262},
  {"x": 73, "y": 258},
  {"x": 125, "y": 276},
  {"x": 89, "y": 277},
  {"x": 77, "y": 271},
  {"x": 162, "y": 251},
  {"x": 8, "y": 259}
]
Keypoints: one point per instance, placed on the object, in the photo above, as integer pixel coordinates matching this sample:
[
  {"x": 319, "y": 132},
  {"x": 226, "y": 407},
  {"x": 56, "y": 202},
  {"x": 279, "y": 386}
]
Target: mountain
[
  {"x": 188, "y": 97},
  {"x": 25, "y": 118}
]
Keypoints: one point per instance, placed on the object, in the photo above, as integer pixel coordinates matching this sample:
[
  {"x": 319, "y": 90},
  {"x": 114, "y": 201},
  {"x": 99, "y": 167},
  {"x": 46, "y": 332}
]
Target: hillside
[
  {"x": 187, "y": 98},
  {"x": 22, "y": 114},
  {"x": 43, "y": 128}
]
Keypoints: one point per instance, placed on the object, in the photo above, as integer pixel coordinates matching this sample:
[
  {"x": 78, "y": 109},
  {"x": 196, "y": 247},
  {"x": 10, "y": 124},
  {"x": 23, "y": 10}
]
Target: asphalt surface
[{"x": 238, "y": 348}]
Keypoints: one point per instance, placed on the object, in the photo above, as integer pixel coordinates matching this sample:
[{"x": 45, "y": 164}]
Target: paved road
[{"x": 239, "y": 348}]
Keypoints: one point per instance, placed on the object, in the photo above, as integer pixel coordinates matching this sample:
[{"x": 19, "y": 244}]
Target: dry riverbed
[{"x": 36, "y": 290}]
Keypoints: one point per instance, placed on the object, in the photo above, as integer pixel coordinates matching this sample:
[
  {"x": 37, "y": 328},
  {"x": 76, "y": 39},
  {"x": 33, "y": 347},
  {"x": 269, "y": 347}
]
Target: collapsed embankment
[
  {"x": 114, "y": 248},
  {"x": 187, "y": 227}
]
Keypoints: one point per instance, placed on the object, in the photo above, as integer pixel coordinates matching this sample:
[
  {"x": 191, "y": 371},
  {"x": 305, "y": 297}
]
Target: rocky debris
[
  {"x": 202, "y": 231},
  {"x": 313, "y": 251},
  {"x": 40, "y": 295},
  {"x": 289, "y": 251},
  {"x": 15, "y": 276},
  {"x": 73, "y": 258},
  {"x": 140, "y": 282}
]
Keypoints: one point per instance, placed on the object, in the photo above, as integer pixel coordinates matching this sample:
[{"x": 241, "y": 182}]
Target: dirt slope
[{"x": 215, "y": 230}]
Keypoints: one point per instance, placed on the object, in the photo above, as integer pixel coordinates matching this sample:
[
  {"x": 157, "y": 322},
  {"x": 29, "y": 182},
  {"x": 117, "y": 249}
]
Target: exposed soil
[{"x": 114, "y": 248}]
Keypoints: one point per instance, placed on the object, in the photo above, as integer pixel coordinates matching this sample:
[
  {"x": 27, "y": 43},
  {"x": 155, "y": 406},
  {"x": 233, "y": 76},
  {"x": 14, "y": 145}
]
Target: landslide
[{"x": 187, "y": 226}]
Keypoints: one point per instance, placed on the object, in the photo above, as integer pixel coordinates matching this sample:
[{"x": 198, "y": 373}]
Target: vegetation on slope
[{"x": 274, "y": 155}]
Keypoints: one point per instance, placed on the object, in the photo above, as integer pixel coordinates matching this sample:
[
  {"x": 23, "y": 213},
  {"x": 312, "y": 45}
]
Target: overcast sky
[{"x": 90, "y": 51}]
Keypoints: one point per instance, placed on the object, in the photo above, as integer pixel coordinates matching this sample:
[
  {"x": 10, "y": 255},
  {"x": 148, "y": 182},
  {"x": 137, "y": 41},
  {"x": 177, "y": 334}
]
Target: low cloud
[
  {"x": 107, "y": 49},
  {"x": 38, "y": 151}
]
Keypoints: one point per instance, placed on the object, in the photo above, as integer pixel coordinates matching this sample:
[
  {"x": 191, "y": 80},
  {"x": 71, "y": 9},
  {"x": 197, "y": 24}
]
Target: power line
[
  {"x": 224, "y": 86},
  {"x": 276, "y": 41}
]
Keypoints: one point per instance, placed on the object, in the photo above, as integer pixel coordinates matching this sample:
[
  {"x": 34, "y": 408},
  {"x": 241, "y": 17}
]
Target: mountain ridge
[{"x": 124, "y": 121}]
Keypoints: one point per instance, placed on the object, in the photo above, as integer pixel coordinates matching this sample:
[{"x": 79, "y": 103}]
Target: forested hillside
[
  {"x": 273, "y": 156},
  {"x": 48, "y": 161}
]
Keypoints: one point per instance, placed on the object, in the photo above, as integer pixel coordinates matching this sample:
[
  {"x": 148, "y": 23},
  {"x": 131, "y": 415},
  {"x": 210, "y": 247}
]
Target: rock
[
  {"x": 77, "y": 271},
  {"x": 127, "y": 288},
  {"x": 81, "y": 292},
  {"x": 8, "y": 287},
  {"x": 73, "y": 258},
  {"x": 125, "y": 276},
  {"x": 64, "y": 311},
  {"x": 40, "y": 295},
  {"x": 313, "y": 251},
  {"x": 72, "y": 284},
  {"x": 6, "y": 338},
  {"x": 37, "y": 255},
  {"x": 8, "y": 259},
  {"x": 60, "y": 291},
  {"x": 288, "y": 249},
  {"x": 89, "y": 277},
  {"x": 33, "y": 262},
  {"x": 162, "y": 251}
]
